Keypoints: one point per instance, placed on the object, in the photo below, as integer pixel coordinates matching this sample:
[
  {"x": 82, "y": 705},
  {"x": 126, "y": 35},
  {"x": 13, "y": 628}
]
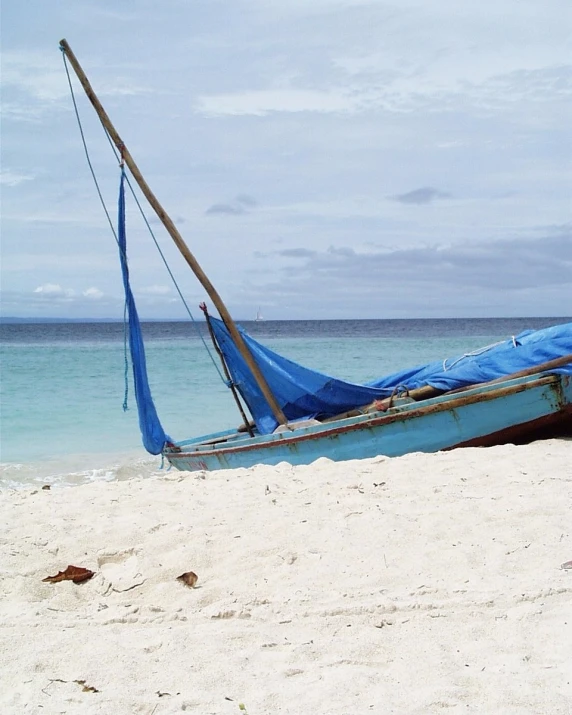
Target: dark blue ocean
[{"x": 62, "y": 385}]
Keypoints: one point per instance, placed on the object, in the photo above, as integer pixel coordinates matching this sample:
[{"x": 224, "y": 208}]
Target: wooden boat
[
  {"x": 300, "y": 415},
  {"x": 514, "y": 410}
]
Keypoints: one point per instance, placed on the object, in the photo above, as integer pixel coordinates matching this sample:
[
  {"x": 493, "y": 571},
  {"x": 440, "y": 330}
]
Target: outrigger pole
[{"x": 176, "y": 236}]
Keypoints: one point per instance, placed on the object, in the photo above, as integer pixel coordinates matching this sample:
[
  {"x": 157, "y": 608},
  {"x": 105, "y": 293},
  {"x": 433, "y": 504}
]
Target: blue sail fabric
[
  {"x": 303, "y": 393},
  {"x": 300, "y": 392},
  {"x": 152, "y": 432}
]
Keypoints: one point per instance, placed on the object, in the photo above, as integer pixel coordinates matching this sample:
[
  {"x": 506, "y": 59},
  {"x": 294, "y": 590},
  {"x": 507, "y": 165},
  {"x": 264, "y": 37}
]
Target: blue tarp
[
  {"x": 152, "y": 432},
  {"x": 303, "y": 393}
]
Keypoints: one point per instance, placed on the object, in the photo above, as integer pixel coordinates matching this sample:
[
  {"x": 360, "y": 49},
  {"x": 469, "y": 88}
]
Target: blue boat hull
[{"x": 484, "y": 415}]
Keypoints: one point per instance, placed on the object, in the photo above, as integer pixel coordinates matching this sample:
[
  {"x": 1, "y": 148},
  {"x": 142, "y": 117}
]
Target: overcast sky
[{"x": 322, "y": 158}]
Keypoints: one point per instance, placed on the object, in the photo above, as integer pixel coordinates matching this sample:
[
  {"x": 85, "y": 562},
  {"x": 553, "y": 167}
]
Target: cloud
[
  {"x": 155, "y": 290},
  {"x": 19, "y": 113},
  {"x": 93, "y": 293},
  {"x": 225, "y": 210},
  {"x": 297, "y": 253},
  {"x": 246, "y": 200},
  {"x": 427, "y": 84},
  {"x": 241, "y": 205},
  {"x": 560, "y": 229},
  {"x": 348, "y": 120},
  {"x": 513, "y": 264},
  {"x": 13, "y": 178},
  {"x": 520, "y": 276},
  {"x": 425, "y": 195},
  {"x": 53, "y": 290},
  {"x": 154, "y": 220},
  {"x": 343, "y": 251},
  {"x": 262, "y": 102},
  {"x": 53, "y": 303},
  {"x": 35, "y": 74}
]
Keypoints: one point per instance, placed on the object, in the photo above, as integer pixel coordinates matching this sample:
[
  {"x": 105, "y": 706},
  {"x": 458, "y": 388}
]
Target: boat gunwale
[{"x": 484, "y": 393}]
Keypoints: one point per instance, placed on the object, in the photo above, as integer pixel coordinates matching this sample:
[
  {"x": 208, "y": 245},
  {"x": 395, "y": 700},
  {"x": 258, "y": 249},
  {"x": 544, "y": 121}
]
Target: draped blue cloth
[
  {"x": 152, "y": 432},
  {"x": 303, "y": 393}
]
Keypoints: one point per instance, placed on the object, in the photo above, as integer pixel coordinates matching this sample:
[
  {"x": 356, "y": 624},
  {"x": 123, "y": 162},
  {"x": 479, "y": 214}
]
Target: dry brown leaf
[
  {"x": 189, "y": 578},
  {"x": 77, "y": 574},
  {"x": 86, "y": 688}
]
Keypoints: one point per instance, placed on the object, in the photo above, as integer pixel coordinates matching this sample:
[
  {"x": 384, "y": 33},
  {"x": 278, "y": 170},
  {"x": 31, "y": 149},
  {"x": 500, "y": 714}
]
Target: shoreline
[
  {"x": 76, "y": 469},
  {"x": 405, "y": 585}
]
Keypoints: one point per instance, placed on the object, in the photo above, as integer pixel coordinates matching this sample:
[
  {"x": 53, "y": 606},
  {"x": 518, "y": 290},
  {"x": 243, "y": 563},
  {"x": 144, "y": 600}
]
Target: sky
[{"x": 321, "y": 158}]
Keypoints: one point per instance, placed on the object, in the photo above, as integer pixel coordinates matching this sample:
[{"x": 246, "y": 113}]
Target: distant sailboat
[{"x": 258, "y": 316}]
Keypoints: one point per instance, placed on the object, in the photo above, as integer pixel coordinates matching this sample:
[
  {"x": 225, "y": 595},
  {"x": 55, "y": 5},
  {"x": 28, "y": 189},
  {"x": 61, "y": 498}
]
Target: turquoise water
[{"x": 62, "y": 387}]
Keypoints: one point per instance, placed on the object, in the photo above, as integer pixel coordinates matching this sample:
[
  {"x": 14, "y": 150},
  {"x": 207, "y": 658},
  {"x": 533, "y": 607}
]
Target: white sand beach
[{"x": 421, "y": 584}]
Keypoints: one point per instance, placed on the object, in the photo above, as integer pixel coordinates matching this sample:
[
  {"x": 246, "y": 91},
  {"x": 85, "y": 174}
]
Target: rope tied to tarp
[{"x": 478, "y": 351}]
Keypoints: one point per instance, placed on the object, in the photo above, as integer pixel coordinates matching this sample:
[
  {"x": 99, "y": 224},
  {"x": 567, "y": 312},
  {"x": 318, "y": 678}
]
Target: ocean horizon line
[{"x": 15, "y": 320}]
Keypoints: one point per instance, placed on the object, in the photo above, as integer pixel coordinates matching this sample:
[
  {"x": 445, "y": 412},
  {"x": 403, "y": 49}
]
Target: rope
[
  {"x": 478, "y": 351},
  {"x": 86, "y": 151},
  {"x": 173, "y": 279},
  {"x": 166, "y": 264}
]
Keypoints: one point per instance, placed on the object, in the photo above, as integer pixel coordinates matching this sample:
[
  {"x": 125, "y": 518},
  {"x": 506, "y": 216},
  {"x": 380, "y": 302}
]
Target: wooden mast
[{"x": 176, "y": 236}]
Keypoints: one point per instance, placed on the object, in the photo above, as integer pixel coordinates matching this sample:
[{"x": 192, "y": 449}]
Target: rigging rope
[
  {"x": 85, "y": 149},
  {"x": 165, "y": 262},
  {"x": 479, "y": 351}
]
